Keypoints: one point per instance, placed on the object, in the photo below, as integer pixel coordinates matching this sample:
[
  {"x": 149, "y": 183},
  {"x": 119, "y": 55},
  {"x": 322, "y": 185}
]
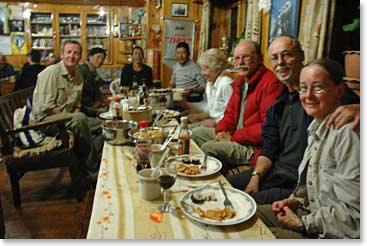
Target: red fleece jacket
[{"x": 263, "y": 89}]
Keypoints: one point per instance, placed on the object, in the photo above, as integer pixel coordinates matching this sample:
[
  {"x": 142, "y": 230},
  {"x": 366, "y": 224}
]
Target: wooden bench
[{"x": 17, "y": 165}]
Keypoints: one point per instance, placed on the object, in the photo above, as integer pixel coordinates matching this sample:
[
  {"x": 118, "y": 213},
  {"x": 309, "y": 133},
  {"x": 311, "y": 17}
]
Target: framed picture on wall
[
  {"x": 180, "y": 9},
  {"x": 284, "y": 18}
]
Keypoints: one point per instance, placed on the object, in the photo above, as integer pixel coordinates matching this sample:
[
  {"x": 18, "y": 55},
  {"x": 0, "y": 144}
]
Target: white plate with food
[
  {"x": 170, "y": 113},
  {"x": 192, "y": 165},
  {"x": 206, "y": 205},
  {"x": 106, "y": 115}
]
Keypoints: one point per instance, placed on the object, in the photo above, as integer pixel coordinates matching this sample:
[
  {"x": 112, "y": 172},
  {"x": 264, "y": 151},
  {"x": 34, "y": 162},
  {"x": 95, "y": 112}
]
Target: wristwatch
[{"x": 254, "y": 173}]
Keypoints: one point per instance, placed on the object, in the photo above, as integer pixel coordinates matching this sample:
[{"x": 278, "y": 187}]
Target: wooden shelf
[
  {"x": 41, "y": 22},
  {"x": 132, "y": 38},
  {"x": 73, "y": 23},
  {"x": 97, "y": 36},
  {"x": 96, "y": 23},
  {"x": 41, "y": 35},
  {"x": 42, "y": 48},
  {"x": 69, "y": 36}
]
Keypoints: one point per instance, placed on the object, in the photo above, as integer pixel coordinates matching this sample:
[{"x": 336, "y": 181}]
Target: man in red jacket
[{"x": 236, "y": 140}]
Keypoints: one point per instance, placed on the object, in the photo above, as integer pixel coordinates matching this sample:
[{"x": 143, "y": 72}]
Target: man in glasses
[{"x": 285, "y": 130}]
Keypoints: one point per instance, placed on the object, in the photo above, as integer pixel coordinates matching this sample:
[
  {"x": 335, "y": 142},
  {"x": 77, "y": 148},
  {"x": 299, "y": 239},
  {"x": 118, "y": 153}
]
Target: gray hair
[
  {"x": 71, "y": 41},
  {"x": 213, "y": 59},
  {"x": 332, "y": 67}
]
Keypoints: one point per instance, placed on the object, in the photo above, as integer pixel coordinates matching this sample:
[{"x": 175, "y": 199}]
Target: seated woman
[
  {"x": 137, "y": 71},
  {"x": 28, "y": 75},
  {"x": 92, "y": 101},
  {"x": 218, "y": 89},
  {"x": 326, "y": 201}
]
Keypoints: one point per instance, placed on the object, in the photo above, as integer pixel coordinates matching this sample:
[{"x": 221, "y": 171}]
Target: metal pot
[
  {"x": 161, "y": 98},
  {"x": 116, "y": 132}
]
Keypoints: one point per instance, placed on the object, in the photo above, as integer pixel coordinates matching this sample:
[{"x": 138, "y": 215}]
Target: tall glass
[{"x": 167, "y": 178}]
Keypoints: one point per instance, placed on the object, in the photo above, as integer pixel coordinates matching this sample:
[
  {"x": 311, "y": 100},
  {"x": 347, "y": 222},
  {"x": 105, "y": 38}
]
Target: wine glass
[{"x": 166, "y": 179}]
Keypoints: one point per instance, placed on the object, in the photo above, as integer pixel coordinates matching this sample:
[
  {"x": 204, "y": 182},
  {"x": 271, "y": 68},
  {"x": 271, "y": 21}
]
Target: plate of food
[
  {"x": 193, "y": 165},
  {"x": 170, "y": 113},
  {"x": 106, "y": 115},
  {"x": 206, "y": 205}
]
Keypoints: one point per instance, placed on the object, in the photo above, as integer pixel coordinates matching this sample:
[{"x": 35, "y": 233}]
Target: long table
[{"x": 119, "y": 212}]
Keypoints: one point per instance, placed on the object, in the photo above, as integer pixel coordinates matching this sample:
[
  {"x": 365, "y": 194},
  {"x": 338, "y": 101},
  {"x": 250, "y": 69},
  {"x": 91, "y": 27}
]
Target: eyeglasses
[
  {"x": 316, "y": 89},
  {"x": 285, "y": 55},
  {"x": 243, "y": 57}
]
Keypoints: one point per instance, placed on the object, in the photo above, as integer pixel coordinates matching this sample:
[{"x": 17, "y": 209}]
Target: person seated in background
[
  {"x": 52, "y": 59},
  {"x": 218, "y": 88},
  {"x": 137, "y": 71},
  {"x": 92, "y": 102},
  {"x": 58, "y": 95},
  {"x": 236, "y": 139},
  {"x": 6, "y": 69},
  {"x": 275, "y": 174},
  {"x": 186, "y": 75},
  {"x": 326, "y": 201},
  {"x": 28, "y": 75}
]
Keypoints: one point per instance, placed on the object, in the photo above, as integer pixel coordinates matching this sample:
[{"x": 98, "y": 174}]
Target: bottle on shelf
[
  {"x": 184, "y": 137},
  {"x": 117, "y": 109}
]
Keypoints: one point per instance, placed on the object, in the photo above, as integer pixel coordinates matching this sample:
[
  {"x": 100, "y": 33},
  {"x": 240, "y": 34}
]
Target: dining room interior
[{"x": 179, "y": 119}]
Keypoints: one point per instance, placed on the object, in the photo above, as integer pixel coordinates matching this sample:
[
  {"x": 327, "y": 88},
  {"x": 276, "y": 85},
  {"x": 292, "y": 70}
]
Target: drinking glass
[{"x": 167, "y": 178}]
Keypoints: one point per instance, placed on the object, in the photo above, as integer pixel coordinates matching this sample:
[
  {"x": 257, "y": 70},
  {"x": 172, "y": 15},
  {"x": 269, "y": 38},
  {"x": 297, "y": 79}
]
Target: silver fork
[
  {"x": 204, "y": 165},
  {"x": 227, "y": 202}
]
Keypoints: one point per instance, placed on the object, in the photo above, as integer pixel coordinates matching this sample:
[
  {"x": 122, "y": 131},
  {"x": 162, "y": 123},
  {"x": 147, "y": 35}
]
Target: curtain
[
  {"x": 316, "y": 26},
  {"x": 204, "y": 27}
]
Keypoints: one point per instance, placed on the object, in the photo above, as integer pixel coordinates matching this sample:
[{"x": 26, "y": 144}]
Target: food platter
[
  {"x": 106, "y": 115},
  {"x": 243, "y": 204},
  {"x": 213, "y": 165}
]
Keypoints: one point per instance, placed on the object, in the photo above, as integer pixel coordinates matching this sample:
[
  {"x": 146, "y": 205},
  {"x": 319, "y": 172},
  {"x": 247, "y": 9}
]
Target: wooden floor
[{"x": 48, "y": 211}]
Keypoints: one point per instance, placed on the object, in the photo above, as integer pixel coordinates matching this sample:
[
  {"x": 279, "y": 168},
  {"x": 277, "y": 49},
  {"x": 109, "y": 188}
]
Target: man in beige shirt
[{"x": 58, "y": 94}]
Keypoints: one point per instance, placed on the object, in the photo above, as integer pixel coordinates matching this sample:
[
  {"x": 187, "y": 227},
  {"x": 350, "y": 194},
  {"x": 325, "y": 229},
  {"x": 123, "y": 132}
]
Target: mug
[
  {"x": 156, "y": 155},
  {"x": 149, "y": 188}
]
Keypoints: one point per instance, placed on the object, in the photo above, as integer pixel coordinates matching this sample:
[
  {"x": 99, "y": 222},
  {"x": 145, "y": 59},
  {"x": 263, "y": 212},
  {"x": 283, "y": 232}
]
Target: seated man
[
  {"x": 6, "y": 70},
  {"x": 137, "y": 71},
  {"x": 326, "y": 201},
  {"x": 28, "y": 75},
  {"x": 285, "y": 129},
  {"x": 58, "y": 95},
  {"x": 236, "y": 139},
  {"x": 92, "y": 103},
  {"x": 186, "y": 75}
]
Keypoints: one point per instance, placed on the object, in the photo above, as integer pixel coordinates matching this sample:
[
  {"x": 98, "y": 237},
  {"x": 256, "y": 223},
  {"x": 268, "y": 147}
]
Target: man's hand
[
  {"x": 289, "y": 220},
  {"x": 345, "y": 114},
  {"x": 187, "y": 91},
  {"x": 223, "y": 136},
  {"x": 55, "y": 110},
  {"x": 208, "y": 123},
  {"x": 253, "y": 185},
  {"x": 278, "y": 206}
]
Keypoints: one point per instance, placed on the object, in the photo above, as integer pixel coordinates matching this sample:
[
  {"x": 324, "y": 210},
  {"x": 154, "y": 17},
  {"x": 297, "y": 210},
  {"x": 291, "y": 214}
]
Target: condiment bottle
[
  {"x": 116, "y": 109},
  {"x": 184, "y": 138}
]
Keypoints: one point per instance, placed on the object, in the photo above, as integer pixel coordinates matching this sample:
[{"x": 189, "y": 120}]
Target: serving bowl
[{"x": 116, "y": 132}]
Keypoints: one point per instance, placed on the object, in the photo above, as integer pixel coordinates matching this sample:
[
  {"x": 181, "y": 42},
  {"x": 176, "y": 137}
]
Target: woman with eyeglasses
[{"x": 326, "y": 201}]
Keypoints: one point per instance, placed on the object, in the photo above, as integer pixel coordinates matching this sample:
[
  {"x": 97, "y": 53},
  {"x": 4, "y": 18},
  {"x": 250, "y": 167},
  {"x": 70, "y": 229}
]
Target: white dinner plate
[
  {"x": 213, "y": 165},
  {"x": 170, "y": 113},
  {"x": 243, "y": 204},
  {"x": 106, "y": 115}
]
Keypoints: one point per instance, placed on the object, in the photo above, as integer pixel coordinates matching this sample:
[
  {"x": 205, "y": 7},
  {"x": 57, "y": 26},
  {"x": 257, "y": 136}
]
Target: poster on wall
[
  {"x": 5, "y": 46},
  {"x": 176, "y": 31},
  {"x": 3, "y": 19},
  {"x": 18, "y": 43},
  {"x": 284, "y": 18}
]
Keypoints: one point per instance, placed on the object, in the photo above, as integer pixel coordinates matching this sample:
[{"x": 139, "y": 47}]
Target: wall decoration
[
  {"x": 180, "y": 10},
  {"x": 16, "y": 25},
  {"x": 176, "y": 31},
  {"x": 18, "y": 43},
  {"x": 284, "y": 18},
  {"x": 5, "y": 45}
]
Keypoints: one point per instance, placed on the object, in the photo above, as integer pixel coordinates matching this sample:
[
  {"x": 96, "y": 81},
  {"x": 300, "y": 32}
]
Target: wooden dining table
[{"x": 120, "y": 213}]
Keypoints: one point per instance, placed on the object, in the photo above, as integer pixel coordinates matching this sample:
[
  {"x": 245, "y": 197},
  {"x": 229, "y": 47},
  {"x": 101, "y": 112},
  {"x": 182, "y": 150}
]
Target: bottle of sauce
[
  {"x": 117, "y": 109},
  {"x": 184, "y": 137}
]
